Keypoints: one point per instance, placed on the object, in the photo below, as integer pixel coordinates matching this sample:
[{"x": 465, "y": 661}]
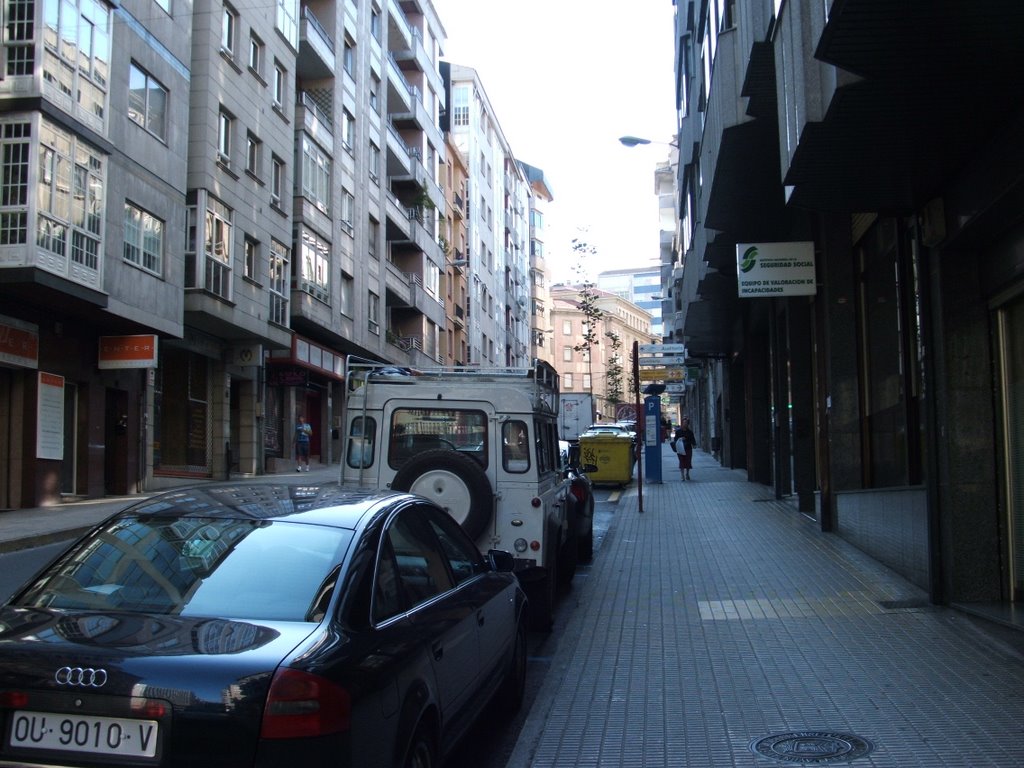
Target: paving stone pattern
[{"x": 720, "y": 616}]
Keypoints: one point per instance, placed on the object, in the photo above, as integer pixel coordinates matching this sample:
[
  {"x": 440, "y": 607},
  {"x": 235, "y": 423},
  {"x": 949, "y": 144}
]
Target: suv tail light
[{"x": 301, "y": 704}]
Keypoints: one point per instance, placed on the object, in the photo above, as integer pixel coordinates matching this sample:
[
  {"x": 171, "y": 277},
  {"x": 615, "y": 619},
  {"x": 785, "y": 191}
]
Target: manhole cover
[{"x": 817, "y": 747}]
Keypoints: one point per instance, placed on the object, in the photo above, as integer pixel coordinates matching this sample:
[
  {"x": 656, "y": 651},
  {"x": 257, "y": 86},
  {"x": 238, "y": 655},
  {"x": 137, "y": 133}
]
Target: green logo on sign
[{"x": 749, "y": 259}]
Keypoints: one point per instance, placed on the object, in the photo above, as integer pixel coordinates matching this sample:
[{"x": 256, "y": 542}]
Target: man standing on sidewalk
[{"x": 303, "y": 431}]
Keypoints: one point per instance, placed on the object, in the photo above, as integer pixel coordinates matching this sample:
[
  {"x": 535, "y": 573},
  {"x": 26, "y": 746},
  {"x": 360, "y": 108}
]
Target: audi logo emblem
[{"x": 83, "y": 677}]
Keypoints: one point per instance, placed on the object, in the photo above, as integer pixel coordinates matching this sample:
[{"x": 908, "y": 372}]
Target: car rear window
[{"x": 251, "y": 569}]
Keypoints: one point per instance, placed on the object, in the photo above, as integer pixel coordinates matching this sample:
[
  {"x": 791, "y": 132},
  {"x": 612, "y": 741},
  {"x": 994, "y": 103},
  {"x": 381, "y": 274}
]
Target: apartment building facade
[
  {"x": 540, "y": 275},
  {"x": 883, "y": 398},
  {"x": 497, "y": 226}
]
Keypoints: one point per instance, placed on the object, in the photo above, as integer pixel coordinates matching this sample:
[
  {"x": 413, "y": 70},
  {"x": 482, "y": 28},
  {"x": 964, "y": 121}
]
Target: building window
[
  {"x": 251, "y": 255},
  {"x": 278, "y": 276},
  {"x": 566, "y": 381},
  {"x": 374, "y": 93},
  {"x": 70, "y": 198},
  {"x": 375, "y": 23},
  {"x": 348, "y": 131},
  {"x": 147, "y": 102},
  {"x": 76, "y": 56},
  {"x": 586, "y": 382},
  {"x": 348, "y": 57},
  {"x": 315, "y": 266},
  {"x": 20, "y": 39},
  {"x": 567, "y": 327},
  {"x": 371, "y": 237},
  {"x": 316, "y": 175},
  {"x": 208, "y": 244},
  {"x": 276, "y": 180},
  {"x": 567, "y": 354},
  {"x": 229, "y": 31},
  {"x": 280, "y": 78},
  {"x": 374, "y": 165},
  {"x": 143, "y": 239},
  {"x": 253, "y": 152},
  {"x": 256, "y": 55},
  {"x": 348, "y": 206},
  {"x": 15, "y": 161},
  {"x": 287, "y": 21},
  {"x": 225, "y": 125},
  {"x": 373, "y": 312},
  {"x": 346, "y": 295},
  {"x": 460, "y": 108}
]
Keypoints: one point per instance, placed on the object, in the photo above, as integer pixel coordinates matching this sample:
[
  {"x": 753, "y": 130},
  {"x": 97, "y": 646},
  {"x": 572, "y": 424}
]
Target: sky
[{"x": 566, "y": 79}]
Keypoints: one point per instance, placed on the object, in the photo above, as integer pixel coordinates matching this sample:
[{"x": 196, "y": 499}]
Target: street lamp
[
  {"x": 635, "y": 141},
  {"x": 632, "y": 141}
]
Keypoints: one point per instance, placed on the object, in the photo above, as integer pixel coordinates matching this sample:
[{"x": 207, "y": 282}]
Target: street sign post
[{"x": 665, "y": 360}]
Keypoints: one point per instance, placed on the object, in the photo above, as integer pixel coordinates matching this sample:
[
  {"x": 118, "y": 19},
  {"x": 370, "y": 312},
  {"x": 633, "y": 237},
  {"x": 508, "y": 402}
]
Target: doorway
[
  {"x": 311, "y": 408},
  {"x": 1010, "y": 324},
  {"x": 115, "y": 456},
  {"x": 69, "y": 465}
]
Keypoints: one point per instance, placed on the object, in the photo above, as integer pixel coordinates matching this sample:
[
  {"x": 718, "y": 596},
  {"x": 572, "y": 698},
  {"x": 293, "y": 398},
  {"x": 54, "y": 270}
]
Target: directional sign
[
  {"x": 662, "y": 374},
  {"x": 668, "y": 349},
  {"x": 666, "y": 360},
  {"x": 675, "y": 389}
]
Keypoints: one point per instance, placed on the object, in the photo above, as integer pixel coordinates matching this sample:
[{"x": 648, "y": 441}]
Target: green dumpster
[{"x": 613, "y": 455}]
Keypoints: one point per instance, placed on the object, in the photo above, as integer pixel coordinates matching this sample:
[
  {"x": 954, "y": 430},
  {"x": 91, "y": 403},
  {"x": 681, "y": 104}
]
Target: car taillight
[
  {"x": 301, "y": 704},
  {"x": 13, "y": 699}
]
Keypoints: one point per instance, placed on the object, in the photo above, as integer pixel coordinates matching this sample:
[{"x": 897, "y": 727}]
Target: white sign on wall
[
  {"x": 775, "y": 269},
  {"x": 50, "y": 417}
]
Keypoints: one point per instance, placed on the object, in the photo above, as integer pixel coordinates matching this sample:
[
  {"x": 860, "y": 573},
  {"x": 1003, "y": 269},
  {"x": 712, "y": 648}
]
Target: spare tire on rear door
[{"x": 453, "y": 480}]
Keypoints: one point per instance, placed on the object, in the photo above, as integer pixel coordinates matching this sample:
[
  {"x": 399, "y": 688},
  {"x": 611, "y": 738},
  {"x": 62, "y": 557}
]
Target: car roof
[{"x": 324, "y": 504}]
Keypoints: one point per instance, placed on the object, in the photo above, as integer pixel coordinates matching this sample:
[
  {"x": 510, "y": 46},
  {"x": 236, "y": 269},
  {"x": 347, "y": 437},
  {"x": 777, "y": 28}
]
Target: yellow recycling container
[{"x": 613, "y": 455}]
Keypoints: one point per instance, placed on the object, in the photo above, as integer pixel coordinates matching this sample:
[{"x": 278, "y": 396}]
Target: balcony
[
  {"x": 316, "y": 59},
  {"x": 417, "y": 117},
  {"x": 416, "y": 58},
  {"x": 315, "y": 119},
  {"x": 399, "y": 31}
]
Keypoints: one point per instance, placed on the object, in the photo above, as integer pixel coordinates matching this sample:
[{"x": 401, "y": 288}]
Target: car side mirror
[{"x": 501, "y": 561}]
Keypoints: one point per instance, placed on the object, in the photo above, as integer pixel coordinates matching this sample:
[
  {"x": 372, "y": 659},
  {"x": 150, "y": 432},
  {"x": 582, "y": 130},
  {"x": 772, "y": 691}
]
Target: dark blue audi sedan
[{"x": 261, "y": 626}]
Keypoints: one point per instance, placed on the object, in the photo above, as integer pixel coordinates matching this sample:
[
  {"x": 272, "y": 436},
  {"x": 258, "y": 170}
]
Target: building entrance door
[{"x": 1011, "y": 349}]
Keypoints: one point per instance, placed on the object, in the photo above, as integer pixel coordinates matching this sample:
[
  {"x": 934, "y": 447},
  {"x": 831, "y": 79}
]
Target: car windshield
[{"x": 231, "y": 568}]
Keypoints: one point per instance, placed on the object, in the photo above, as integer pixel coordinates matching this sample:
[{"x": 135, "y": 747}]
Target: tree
[
  {"x": 592, "y": 314},
  {"x": 613, "y": 371}
]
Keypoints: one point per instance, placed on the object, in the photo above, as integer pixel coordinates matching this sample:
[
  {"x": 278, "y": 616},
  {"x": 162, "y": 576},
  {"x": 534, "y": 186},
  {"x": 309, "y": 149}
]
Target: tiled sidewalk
[{"x": 720, "y": 616}]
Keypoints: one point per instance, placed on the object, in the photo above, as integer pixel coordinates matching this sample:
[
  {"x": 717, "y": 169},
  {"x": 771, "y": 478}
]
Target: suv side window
[
  {"x": 515, "y": 447},
  {"x": 361, "y": 440}
]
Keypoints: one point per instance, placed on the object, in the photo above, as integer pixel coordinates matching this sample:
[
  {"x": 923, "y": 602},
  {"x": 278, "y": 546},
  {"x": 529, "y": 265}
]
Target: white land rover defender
[{"x": 482, "y": 443}]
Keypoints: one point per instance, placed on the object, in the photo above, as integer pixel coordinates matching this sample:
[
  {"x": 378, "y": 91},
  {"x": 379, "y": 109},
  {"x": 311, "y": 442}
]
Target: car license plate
[{"x": 84, "y": 733}]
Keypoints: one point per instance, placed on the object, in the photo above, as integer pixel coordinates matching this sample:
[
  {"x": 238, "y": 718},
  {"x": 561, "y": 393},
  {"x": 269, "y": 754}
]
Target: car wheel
[
  {"x": 513, "y": 687},
  {"x": 568, "y": 555},
  {"x": 421, "y": 752},
  {"x": 453, "y": 480}
]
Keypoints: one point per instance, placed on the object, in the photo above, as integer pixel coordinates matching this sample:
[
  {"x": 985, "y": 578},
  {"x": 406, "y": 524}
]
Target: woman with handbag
[{"x": 683, "y": 442}]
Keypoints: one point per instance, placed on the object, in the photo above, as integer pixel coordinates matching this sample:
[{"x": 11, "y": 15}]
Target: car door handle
[{"x": 438, "y": 650}]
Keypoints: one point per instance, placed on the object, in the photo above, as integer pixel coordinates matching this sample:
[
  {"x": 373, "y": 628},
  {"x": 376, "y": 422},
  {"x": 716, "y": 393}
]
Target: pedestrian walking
[
  {"x": 303, "y": 432},
  {"x": 683, "y": 441}
]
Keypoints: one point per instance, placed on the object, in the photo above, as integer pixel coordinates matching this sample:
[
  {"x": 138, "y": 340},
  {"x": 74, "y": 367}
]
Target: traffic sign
[
  {"x": 666, "y": 360},
  {"x": 668, "y": 349},
  {"x": 675, "y": 389},
  {"x": 662, "y": 374}
]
